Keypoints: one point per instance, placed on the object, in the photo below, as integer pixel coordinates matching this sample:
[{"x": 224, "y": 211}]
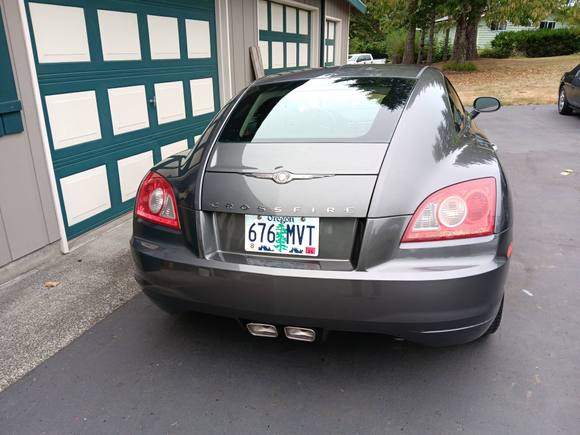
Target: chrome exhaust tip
[
  {"x": 262, "y": 330},
  {"x": 300, "y": 334}
]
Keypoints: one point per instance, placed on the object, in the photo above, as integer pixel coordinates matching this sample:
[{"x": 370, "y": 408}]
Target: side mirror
[{"x": 485, "y": 105}]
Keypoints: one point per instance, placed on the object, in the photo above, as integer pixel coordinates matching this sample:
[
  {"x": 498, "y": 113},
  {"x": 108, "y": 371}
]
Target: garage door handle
[{"x": 153, "y": 102}]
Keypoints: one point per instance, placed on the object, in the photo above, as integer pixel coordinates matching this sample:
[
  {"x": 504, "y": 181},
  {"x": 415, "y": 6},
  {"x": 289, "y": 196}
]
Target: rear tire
[
  {"x": 496, "y": 322},
  {"x": 564, "y": 107}
]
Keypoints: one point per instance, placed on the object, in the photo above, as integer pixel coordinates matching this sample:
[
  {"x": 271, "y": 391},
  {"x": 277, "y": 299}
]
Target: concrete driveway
[{"x": 141, "y": 371}]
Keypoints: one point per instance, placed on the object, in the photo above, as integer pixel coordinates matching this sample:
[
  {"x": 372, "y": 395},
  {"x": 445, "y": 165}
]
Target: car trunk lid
[{"x": 321, "y": 179}]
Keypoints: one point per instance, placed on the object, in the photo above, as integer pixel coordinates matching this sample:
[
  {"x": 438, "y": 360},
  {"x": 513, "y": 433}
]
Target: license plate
[{"x": 282, "y": 235}]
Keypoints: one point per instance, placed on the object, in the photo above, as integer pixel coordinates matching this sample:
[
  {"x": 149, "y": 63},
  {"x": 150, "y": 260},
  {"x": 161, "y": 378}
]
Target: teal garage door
[
  {"x": 124, "y": 84},
  {"x": 285, "y": 36}
]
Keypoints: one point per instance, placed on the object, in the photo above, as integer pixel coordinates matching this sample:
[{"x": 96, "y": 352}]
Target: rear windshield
[{"x": 319, "y": 110}]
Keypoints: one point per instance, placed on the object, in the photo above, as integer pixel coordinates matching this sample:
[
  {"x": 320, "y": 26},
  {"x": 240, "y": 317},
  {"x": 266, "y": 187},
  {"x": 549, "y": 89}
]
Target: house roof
[{"x": 358, "y": 5}]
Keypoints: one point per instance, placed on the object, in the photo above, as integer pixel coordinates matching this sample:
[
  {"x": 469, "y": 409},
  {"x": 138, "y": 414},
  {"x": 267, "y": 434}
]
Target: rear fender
[{"x": 427, "y": 154}]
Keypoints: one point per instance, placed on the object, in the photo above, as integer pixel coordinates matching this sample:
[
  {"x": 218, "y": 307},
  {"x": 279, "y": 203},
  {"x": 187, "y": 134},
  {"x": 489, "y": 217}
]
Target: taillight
[
  {"x": 463, "y": 210},
  {"x": 156, "y": 202}
]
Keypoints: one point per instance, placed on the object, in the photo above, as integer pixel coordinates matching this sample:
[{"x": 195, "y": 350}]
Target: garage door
[
  {"x": 285, "y": 36},
  {"x": 124, "y": 84}
]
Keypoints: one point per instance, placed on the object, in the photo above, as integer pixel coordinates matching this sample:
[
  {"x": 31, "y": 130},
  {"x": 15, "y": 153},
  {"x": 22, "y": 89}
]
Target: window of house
[
  {"x": 502, "y": 25},
  {"x": 547, "y": 24}
]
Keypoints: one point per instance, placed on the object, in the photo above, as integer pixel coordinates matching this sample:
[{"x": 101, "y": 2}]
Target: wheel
[
  {"x": 496, "y": 322},
  {"x": 563, "y": 106}
]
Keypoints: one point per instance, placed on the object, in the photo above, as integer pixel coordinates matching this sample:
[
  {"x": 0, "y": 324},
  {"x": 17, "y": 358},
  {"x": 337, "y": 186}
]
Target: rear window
[{"x": 319, "y": 110}]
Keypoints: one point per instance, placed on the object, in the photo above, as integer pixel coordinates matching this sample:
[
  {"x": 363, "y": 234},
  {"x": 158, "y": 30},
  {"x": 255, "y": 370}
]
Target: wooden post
[{"x": 257, "y": 64}]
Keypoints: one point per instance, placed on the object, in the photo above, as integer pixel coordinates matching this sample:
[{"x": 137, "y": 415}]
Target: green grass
[{"x": 463, "y": 67}]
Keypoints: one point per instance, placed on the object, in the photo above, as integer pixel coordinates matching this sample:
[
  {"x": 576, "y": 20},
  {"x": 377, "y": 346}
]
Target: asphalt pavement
[{"x": 142, "y": 371}]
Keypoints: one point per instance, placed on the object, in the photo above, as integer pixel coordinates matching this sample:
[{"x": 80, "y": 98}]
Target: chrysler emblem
[{"x": 283, "y": 177}]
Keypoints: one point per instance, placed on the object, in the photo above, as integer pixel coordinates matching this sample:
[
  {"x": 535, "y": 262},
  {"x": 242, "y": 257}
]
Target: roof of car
[{"x": 345, "y": 71}]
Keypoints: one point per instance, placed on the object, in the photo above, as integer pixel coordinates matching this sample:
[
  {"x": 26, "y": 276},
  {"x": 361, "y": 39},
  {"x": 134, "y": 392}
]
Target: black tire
[
  {"x": 564, "y": 107},
  {"x": 496, "y": 322}
]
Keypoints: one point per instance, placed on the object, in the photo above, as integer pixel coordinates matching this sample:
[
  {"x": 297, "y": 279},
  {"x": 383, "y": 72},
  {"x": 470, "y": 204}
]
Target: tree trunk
[
  {"x": 409, "y": 55},
  {"x": 460, "y": 43},
  {"x": 431, "y": 42},
  {"x": 471, "y": 37},
  {"x": 446, "y": 44},
  {"x": 421, "y": 47}
]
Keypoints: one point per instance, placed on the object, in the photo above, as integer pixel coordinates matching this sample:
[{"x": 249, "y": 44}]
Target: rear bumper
[{"x": 406, "y": 299}]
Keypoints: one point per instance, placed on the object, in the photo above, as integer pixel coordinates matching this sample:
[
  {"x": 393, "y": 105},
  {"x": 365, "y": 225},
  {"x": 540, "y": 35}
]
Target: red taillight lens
[
  {"x": 156, "y": 202},
  {"x": 463, "y": 210}
]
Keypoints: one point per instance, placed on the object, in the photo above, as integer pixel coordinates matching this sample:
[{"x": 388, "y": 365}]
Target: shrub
[
  {"x": 437, "y": 51},
  {"x": 395, "y": 44},
  {"x": 538, "y": 43},
  {"x": 507, "y": 42},
  {"x": 467, "y": 66},
  {"x": 377, "y": 48},
  {"x": 556, "y": 42},
  {"x": 494, "y": 53}
]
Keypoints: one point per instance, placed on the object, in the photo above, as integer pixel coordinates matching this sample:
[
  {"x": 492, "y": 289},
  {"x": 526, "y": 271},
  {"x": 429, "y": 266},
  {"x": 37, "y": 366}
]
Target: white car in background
[{"x": 363, "y": 58}]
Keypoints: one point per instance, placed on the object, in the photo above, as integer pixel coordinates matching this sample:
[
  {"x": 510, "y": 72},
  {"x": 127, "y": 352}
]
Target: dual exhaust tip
[{"x": 291, "y": 332}]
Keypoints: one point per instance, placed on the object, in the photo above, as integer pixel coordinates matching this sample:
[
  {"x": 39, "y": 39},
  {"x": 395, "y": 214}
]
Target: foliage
[
  {"x": 368, "y": 31},
  {"x": 508, "y": 42},
  {"x": 379, "y": 30},
  {"x": 438, "y": 52},
  {"x": 463, "y": 67},
  {"x": 538, "y": 43},
  {"x": 521, "y": 12},
  {"x": 558, "y": 42},
  {"x": 395, "y": 44},
  {"x": 364, "y": 29},
  {"x": 378, "y": 49},
  {"x": 494, "y": 53},
  {"x": 569, "y": 14}
]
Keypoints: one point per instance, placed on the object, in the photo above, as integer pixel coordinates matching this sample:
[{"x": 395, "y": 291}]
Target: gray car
[{"x": 356, "y": 198}]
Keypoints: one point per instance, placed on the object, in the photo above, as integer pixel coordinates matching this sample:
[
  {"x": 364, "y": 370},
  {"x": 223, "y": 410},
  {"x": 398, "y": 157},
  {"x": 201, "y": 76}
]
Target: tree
[
  {"x": 431, "y": 41},
  {"x": 446, "y": 44},
  {"x": 522, "y": 12},
  {"x": 569, "y": 13},
  {"x": 421, "y": 14},
  {"x": 368, "y": 32},
  {"x": 281, "y": 242},
  {"x": 421, "y": 47},
  {"x": 409, "y": 56},
  {"x": 471, "y": 35},
  {"x": 364, "y": 29},
  {"x": 467, "y": 15}
]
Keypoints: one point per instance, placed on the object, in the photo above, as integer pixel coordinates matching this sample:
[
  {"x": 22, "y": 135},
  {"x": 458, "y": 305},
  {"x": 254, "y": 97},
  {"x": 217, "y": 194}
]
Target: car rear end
[{"x": 272, "y": 221}]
